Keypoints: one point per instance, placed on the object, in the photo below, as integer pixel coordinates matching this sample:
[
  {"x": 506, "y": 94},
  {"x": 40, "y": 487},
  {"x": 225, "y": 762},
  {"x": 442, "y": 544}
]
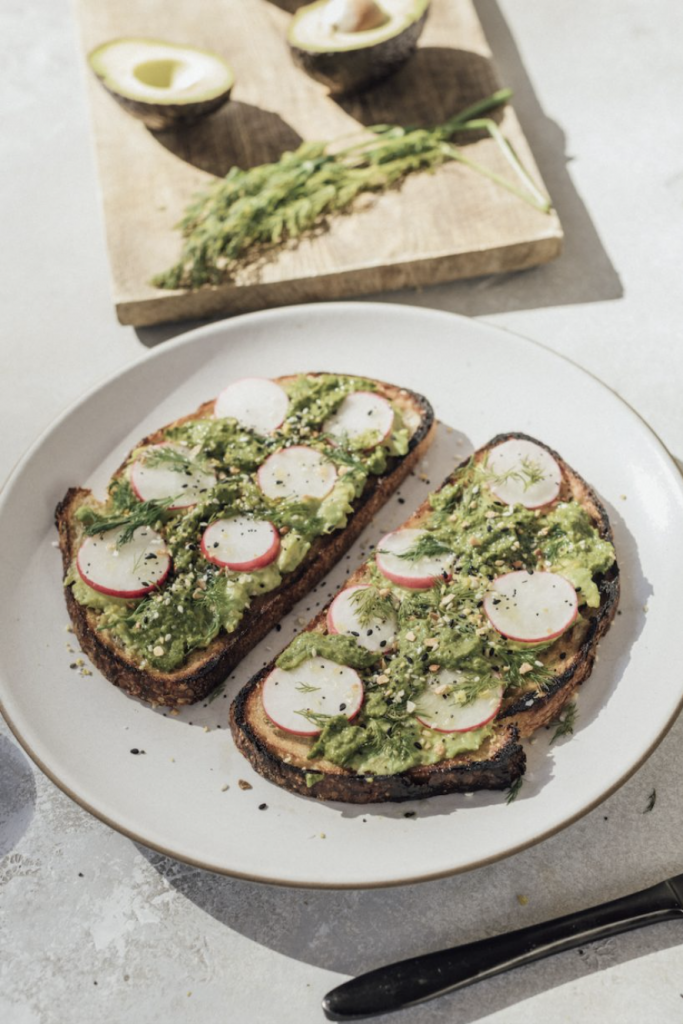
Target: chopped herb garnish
[
  {"x": 370, "y": 605},
  {"x": 565, "y": 723},
  {"x": 527, "y": 475},
  {"x": 426, "y": 546},
  {"x": 175, "y": 459},
  {"x": 145, "y": 513},
  {"x": 513, "y": 791},
  {"x": 306, "y": 688},
  {"x": 314, "y": 717}
]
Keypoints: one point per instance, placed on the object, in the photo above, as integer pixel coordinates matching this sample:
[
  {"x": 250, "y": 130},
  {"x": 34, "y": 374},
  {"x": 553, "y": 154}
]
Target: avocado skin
[
  {"x": 344, "y": 71},
  {"x": 165, "y": 116}
]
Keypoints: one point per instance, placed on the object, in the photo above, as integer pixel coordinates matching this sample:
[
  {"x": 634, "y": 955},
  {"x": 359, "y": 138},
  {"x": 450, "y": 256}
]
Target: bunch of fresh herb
[{"x": 266, "y": 205}]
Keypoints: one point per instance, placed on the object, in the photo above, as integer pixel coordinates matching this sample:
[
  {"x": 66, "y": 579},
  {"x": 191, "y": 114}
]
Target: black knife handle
[{"x": 412, "y": 981}]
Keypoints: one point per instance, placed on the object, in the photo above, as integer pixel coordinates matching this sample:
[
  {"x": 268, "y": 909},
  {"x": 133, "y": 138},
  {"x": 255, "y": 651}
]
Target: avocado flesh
[
  {"x": 162, "y": 84},
  {"x": 349, "y": 61}
]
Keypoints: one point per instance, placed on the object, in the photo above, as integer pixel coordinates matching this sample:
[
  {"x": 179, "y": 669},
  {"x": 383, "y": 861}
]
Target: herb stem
[
  {"x": 486, "y": 172},
  {"x": 513, "y": 160}
]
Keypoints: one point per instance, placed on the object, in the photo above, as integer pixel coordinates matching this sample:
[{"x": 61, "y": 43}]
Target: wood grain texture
[{"x": 435, "y": 227}]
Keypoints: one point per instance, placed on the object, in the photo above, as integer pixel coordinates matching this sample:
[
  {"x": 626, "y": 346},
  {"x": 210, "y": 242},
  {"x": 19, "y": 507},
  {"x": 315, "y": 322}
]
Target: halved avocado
[
  {"x": 162, "y": 84},
  {"x": 348, "y": 44}
]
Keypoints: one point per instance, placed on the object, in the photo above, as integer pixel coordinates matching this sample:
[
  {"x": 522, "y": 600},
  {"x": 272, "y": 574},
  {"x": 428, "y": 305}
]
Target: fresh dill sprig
[
  {"x": 527, "y": 475},
  {"x": 306, "y": 688},
  {"x": 513, "y": 791},
  {"x": 175, "y": 459},
  {"x": 565, "y": 723},
  {"x": 370, "y": 604},
  {"x": 264, "y": 206},
  {"x": 341, "y": 457},
  {"x": 314, "y": 717},
  {"x": 651, "y": 801},
  {"x": 145, "y": 513},
  {"x": 215, "y": 693},
  {"x": 426, "y": 546}
]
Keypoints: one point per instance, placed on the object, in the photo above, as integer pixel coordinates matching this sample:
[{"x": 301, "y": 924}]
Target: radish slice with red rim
[
  {"x": 125, "y": 570},
  {"x": 523, "y": 473},
  {"x": 150, "y": 482},
  {"x": 240, "y": 543},
  {"x": 257, "y": 403},
  {"x": 298, "y": 472},
  {"x": 343, "y": 617},
  {"x": 317, "y": 687},
  {"x": 441, "y": 706},
  {"x": 361, "y": 413},
  {"x": 416, "y": 574},
  {"x": 531, "y": 607}
]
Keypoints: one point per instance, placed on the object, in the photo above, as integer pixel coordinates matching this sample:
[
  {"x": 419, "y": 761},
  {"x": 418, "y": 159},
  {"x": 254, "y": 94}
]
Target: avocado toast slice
[
  {"x": 463, "y": 671},
  {"x": 171, "y": 641}
]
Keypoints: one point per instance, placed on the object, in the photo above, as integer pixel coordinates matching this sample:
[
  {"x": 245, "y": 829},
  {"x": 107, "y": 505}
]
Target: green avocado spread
[
  {"x": 199, "y": 599},
  {"x": 445, "y": 627}
]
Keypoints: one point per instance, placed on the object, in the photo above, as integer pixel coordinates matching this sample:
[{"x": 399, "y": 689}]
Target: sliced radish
[
  {"x": 342, "y": 617},
  {"x": 360, "y": 413},
  {"x": 158, "y": 482},
  {"x": 523, "y": 474},
  {"x": 319, "y": 687},
  {"x": 438, "y": 707},
  {"x": 240, "y": 543},
  {"x": 297, "y": 472},
  {"x": 256, "y": 402},
  {"x": 417, "y": 575},
  {"x": 126, "y": 570},
  {"x": 531, "y": 607}
]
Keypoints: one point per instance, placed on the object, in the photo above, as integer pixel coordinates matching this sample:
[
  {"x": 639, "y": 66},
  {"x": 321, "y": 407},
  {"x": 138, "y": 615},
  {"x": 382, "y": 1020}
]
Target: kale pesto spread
[
  {"x": 201, "y": 599},
  {"x": 444, "y": 627}
]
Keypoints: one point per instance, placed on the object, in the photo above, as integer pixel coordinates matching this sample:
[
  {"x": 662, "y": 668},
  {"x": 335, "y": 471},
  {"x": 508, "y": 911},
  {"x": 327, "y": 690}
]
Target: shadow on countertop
[
  {"x": 17, "y": 795},
  {"x": 351, "y": 932},
  {"x": 582, "y": 274}
]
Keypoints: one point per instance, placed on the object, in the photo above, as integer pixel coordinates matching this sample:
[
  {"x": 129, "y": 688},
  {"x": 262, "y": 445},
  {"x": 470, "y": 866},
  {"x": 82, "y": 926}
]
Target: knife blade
[{"x": 408, "y": 982}]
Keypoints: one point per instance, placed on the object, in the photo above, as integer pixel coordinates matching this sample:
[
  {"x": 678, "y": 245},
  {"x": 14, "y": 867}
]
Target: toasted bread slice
[
  {"x": 203, "y": 669},
  {"x": 282, "y": 757}
]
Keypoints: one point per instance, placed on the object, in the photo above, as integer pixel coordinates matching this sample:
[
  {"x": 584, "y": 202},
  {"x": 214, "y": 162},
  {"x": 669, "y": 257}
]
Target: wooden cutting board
[{"x": 435, "y": 227}]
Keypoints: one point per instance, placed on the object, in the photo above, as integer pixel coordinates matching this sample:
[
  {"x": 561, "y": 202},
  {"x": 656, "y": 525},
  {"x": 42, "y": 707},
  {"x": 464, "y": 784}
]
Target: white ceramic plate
[{"x": 481, "y": 381}]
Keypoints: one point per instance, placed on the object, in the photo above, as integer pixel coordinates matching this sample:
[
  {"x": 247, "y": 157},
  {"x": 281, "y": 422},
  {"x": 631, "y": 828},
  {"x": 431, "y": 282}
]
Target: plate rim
[{"x": 186, "y": 338}]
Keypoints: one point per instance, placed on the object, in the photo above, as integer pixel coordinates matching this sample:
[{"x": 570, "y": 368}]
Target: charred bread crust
[
  {"x": 578, "y": 662},
  {"x": 281, "y": 758},
  {"x": 496, "y": 764},
  {"x": 205, "y": 669}
]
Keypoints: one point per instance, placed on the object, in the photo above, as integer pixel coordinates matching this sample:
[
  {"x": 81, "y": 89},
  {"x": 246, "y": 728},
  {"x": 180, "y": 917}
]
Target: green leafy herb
[
  {"x": 215, "y": 693},
  {"x": 176, "y": 460},
  {"x": 566, "y": 723},
  {"x": 370, "y": 604},
  {"x": 528, "y": 474},
  {"x": 651, "y": 801},
  {"x": 426, "y": 546},
  {"x": 306, "y": 688},
  {"x": 145, "y": 513},
  {"x": 264, "y": 206},
  {"x": 513, "y": 791},
  {"x": 314, "y": 717}
]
